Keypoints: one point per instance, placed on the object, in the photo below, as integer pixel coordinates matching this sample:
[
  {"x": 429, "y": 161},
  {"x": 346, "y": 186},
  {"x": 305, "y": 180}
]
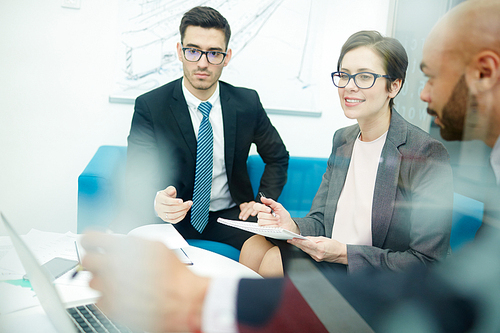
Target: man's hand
[
  {"x": 170, "y": 208},
  {"x": 280, "y": 218},
  {"x": 322, "y": 249},
  {"x": 143, "y": 284},
  {"x": 247, "y": 210}
]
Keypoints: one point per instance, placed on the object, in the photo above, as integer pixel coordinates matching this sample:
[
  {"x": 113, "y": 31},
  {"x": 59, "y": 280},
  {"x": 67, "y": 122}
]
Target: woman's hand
[
  {"x": 272, "y": 214},
  {"x": 322, "y": 249}
]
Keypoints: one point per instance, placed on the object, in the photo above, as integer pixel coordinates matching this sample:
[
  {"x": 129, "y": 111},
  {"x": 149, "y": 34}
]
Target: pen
[
  {"x": 261, "y": 195},
  {"x": 79, "y": 267}
]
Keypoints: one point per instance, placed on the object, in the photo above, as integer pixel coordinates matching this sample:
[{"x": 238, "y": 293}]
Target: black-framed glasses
[
  {"x": 364, "y": 80},
  {"x": 194, "y": 55}
]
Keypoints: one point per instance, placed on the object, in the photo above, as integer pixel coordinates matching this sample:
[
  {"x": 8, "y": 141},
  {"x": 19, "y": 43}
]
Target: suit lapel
[
  {"x": 229, "y": 110},
  {"x": 180, "y": 111},
  {"x": 386, "y": 185}
]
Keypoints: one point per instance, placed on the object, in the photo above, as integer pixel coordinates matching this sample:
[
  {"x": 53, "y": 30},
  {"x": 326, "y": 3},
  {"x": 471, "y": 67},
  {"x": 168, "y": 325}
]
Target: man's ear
[
  {"x": 229, "y": 54},
  {"x": 179, "y": 50},
  {"x": 483, "y": 72}
]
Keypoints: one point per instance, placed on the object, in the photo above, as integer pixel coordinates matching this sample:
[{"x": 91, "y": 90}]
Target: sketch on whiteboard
[{"x": 273, "y": 47}]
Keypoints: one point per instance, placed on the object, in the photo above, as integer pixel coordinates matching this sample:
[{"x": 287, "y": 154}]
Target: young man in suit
[
  {"x": 461, "y": 59},
  {"x": 189, "y": 159}
]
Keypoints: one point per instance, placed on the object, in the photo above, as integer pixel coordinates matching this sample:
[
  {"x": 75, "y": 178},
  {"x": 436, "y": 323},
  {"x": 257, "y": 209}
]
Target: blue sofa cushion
[
  {"x": 101, "y": 183},
  {"x": 304, "y": 177},
  {"x": 466, "y": 220}
]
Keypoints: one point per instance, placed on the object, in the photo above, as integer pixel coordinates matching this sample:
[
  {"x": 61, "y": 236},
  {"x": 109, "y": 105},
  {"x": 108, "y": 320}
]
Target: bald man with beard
[{"x": 461, "y": 60}]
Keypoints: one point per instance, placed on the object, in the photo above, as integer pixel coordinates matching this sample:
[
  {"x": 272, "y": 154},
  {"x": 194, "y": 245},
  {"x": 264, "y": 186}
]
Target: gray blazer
[{"x": 412, "y": 201}]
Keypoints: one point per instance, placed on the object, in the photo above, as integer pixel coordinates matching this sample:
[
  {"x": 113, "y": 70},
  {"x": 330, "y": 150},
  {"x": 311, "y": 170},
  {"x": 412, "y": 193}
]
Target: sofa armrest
[
  {"x": 466, "y": 220},
  {"x": 100, "y": 187}
]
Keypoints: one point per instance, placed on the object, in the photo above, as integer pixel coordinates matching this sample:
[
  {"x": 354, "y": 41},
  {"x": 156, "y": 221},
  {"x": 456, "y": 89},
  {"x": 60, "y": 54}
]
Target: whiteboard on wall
[
  {"x": 274, "y": 45},
  {"x": 411, "y": 23}
]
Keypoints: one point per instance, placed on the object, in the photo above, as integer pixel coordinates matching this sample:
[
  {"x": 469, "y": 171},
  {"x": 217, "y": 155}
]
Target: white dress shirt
[
  {"x": 219, "y": 307},
  {"x": 220, "y": 197}
]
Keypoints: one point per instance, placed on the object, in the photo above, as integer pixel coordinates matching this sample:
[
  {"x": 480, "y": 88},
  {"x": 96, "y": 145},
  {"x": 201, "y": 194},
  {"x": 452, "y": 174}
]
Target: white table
[
  {"x": 207, "y": 263},
  {"x": 34, "y": 319}
]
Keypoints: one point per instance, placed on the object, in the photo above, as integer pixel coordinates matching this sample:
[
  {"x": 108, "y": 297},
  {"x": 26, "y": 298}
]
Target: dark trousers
[{"x": 216, "y": 231}]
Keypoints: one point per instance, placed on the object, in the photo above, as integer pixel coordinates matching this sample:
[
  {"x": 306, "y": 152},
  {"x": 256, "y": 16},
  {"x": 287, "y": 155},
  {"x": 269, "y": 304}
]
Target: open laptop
[{"x": 85, "y": 318}]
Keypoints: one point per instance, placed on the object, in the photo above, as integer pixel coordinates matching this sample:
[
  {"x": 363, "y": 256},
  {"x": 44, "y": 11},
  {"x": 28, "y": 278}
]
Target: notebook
[
  {"x": 271, "y": 232},
  {"x": 85, "y": 318}
]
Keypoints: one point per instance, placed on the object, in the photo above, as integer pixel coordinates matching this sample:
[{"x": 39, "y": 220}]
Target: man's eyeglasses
[
  {"x": 364, "y": 80},
  {"x": 194, "y": 55}
]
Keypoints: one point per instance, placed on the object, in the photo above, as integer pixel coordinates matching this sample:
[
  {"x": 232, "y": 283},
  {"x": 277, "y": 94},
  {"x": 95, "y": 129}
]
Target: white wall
[{"x": 56, "y": 73}]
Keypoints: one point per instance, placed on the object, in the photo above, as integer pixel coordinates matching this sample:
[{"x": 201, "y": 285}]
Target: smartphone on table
[{"x": 57, "y": 267}]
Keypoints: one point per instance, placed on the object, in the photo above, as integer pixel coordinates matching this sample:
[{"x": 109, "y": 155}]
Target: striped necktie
[{"x": 203, "y": 175}]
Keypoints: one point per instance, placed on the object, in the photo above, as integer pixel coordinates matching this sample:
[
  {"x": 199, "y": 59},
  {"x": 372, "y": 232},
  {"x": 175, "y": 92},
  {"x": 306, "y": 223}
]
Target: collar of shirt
[
  {"x": 193, "y": 102},
  {"x": 495, "y": 160}
]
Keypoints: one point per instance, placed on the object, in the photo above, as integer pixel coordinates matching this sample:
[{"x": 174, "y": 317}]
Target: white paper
[
  {"x": 44, "y": 245},
  {"x": 272, "y": 232},
  {"x": 10, "y": 265},
  {"x": 16, "y": 298}
]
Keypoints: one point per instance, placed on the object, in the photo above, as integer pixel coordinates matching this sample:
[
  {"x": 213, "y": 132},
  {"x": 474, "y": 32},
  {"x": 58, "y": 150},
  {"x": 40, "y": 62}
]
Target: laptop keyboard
[{"x": 89, "y": 318}]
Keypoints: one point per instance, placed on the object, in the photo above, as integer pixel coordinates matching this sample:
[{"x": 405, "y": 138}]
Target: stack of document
[
  {"x": 45, "y": 245},
  {"x": 48, "y": 245}
]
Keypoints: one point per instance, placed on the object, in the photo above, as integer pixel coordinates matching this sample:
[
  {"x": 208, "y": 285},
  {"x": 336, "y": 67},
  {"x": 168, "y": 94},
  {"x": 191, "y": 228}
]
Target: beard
[
  {"x": 201, "y": 84},
  {"x": 453, "y": 115}
]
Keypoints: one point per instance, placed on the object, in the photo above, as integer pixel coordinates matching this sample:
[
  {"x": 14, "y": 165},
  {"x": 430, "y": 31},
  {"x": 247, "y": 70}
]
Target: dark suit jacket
[
  {"x": 162, "y": 147},
  {"x": 412, "y": 200}
]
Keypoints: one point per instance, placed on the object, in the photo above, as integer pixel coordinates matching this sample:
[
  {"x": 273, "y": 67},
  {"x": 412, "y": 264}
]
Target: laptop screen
[{"x": 41, "y": 283}]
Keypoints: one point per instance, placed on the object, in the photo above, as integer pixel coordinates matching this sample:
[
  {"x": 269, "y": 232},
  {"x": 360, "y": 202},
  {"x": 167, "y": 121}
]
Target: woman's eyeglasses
[{"x": 363, "y": 80}]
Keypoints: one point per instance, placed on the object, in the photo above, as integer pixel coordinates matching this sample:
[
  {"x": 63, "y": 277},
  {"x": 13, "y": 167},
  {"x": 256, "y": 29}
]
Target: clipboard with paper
[{"x": 271, "y": 232}]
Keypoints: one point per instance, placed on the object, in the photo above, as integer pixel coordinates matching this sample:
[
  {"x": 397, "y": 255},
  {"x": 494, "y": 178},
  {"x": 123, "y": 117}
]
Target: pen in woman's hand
[{"x": 261, "y": 195}]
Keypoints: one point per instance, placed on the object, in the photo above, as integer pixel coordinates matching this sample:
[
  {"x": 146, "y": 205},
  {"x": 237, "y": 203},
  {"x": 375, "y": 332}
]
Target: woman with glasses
[{"x": 385, "y": 200}]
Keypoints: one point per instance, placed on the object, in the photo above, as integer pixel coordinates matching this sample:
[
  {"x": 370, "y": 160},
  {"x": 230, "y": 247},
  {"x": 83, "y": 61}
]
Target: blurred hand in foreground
[{"x": 143, "y": 284}]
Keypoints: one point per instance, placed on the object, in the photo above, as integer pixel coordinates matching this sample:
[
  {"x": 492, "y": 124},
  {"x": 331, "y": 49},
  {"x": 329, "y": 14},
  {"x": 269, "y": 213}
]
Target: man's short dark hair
[{"x": 205, "y": 17}]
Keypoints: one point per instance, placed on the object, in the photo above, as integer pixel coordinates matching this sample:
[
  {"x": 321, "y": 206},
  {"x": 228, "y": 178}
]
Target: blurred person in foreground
[{"x": 461, "y": 59}]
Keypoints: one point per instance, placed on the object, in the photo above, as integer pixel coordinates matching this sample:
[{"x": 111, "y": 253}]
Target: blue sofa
[
  {"x": 101, "y": 183},
  {"x": 466, "y": 220}
]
